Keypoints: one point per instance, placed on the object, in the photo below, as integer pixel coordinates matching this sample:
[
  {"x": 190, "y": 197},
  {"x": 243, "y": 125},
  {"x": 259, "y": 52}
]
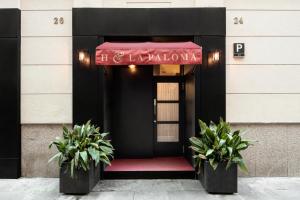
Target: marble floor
[{"x": 282, "y": 188}]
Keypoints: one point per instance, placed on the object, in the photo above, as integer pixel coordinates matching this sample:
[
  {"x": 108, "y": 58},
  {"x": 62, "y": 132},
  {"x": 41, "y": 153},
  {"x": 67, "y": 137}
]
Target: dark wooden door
[{"x": 132, "y": 112}]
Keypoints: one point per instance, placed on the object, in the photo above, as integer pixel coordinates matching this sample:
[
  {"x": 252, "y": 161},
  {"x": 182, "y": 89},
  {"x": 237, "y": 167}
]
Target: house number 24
[
  {"x": 238, "y": 20},
  {"x": 58, "y": 20}
]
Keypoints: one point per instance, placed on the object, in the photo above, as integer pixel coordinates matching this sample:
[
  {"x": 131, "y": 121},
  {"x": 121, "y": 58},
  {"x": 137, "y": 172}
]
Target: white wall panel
[
  {"x": 90, "y": 3},
  {"x": 148, "y": 3},
  {"x": 41, "y": 23},
  {"x": 264, "y": 23},
  {"x": 263, "y": 108},
  {"x": 46, "y": 108},
  {"x": 9, "y": 3},
  {"x": 158, "y": 3},
  {"x": 209, "y": 3},
  {"x": 263, "y": 4},
  {"x": 263, "y": 79},
  {"x": 46, "y": 50},
  {"x": 46, "y": 4},
  {"x": 265, "y": 50},
  {"x": 39, "y": 79},
  {"x": 134, "y": 3},
  {"x": 264, "y": 86},
  {"x": 46, "y": 72}
]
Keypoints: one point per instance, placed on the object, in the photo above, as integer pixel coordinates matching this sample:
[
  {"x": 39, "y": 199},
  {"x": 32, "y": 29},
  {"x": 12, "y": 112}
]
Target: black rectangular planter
[
  {"x": 219, "y": 181},
  {"x": 83, "y": 181}
]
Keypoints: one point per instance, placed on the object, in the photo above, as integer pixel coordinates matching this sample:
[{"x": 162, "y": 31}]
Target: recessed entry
[{"x": 166, "y": 70}]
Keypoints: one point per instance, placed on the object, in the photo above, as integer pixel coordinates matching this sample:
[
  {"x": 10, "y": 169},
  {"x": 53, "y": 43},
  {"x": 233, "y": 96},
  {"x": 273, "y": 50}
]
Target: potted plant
[
  {"x": 217, "y": 155},
  {"x": 80, "y": 152}
]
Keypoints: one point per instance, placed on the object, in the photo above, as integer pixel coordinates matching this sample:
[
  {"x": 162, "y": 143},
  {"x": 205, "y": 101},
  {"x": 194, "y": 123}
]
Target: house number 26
[{"x": 58, "y": 20}]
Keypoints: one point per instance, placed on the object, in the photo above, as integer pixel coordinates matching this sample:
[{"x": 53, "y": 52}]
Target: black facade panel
[
  {"x": 148, "y": 21},
  {"x": 110, "y": 21},
  {"x": 87, "y": 84},
  {"x": 10, "y": 167},
  {"x": 187, "y": 21},
  {"x": 210, "y": 81},
  {"x": 10, "y": 143},
  {"x": 9, "y": 82},
  {"x": 10, "y": 22}
]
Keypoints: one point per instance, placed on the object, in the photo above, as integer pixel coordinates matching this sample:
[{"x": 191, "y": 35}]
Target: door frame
[{"x": 176, "y": 149}]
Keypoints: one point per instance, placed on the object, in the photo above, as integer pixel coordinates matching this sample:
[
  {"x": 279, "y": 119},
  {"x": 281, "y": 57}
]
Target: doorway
[
  {"x": 148, "y": 123},
  {"x": 168, "y": 124},
  {"x": 138, "y": 96},
  {"x": 147, "y": 111}
]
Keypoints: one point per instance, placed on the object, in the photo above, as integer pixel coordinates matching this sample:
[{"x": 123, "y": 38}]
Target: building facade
[{"x": 262, "y": 87}]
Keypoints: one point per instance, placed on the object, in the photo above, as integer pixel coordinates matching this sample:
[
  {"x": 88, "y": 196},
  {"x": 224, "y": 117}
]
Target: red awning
[{"x": 148, "y": 53}]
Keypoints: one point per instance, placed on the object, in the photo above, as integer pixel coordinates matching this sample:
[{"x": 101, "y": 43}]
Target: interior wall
[
  {"x": 132, "y": 112},
  {"x": 189, "y": 113},
  {"x": 107, "y": 99}
]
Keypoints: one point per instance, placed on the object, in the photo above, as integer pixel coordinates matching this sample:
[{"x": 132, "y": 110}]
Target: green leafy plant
[
  {"x": 218, "y": 143},
  {"x": 80, "y": 145}
]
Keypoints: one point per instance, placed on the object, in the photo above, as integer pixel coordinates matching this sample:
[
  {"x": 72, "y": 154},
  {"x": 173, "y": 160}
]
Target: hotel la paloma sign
[{"x": 148, "y": 54}]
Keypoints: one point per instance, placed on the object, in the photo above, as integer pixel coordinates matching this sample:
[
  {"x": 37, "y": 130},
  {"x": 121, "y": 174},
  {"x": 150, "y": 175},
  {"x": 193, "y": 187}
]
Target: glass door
[{"x": 167, "y": 117}]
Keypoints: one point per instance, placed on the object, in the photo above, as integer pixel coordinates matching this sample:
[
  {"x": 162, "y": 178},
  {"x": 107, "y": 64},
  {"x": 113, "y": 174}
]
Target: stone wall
[
  {"x": 35, "y": 151},
  {"x": 276, "y": 150}
]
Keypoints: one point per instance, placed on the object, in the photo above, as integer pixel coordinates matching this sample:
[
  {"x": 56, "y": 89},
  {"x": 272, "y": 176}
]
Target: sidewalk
[{"x": 249, "y": 188}]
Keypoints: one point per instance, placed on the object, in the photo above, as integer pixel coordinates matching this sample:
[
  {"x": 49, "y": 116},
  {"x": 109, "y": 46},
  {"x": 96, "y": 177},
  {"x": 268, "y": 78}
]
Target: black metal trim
[
  {"x": 167, "y": 122},
  {"x": 166, "y": 101}
]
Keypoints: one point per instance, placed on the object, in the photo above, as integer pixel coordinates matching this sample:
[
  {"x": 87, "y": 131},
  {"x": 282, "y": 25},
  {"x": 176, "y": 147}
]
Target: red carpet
[{"x": 150, "y": 164}]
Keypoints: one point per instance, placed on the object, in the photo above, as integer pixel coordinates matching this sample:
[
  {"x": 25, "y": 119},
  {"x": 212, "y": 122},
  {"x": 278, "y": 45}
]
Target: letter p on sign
[{"x": 238, "y": 49}]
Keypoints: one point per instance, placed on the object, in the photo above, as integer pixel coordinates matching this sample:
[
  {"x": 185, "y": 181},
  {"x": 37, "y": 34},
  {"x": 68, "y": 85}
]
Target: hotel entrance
[
  {"x": 146, "y": 104},
  {"x": 147, "y": 81},
  {"x": 147, "y": 110}
]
